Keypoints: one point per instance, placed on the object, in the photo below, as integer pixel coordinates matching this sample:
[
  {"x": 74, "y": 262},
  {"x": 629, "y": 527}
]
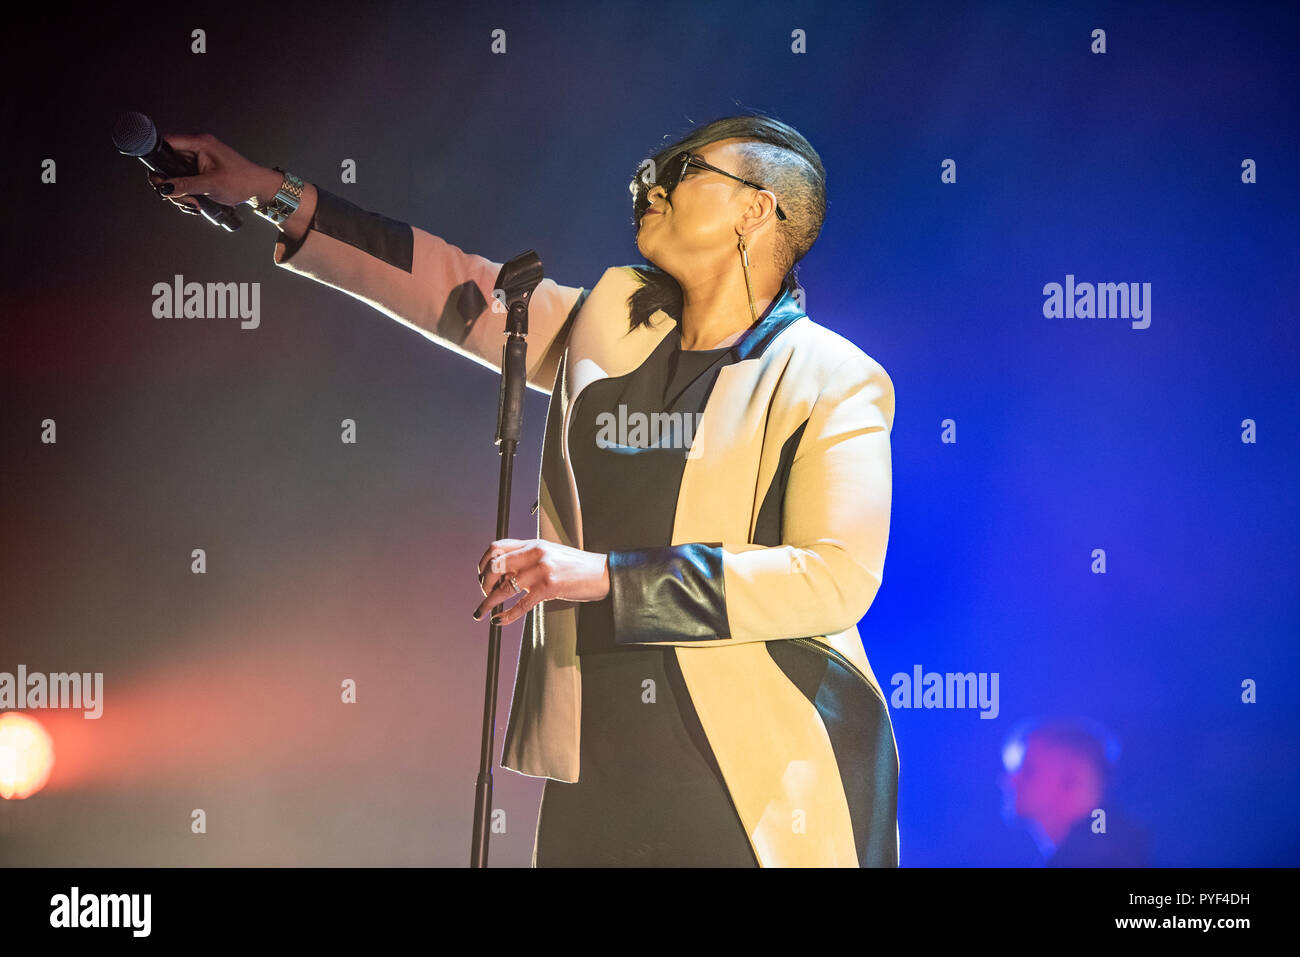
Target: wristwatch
[{"x": 284, "y": 203}]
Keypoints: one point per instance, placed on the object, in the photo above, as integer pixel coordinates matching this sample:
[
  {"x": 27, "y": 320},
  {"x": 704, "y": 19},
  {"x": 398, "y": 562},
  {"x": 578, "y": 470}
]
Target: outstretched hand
[{"x": 224, "y": 175}]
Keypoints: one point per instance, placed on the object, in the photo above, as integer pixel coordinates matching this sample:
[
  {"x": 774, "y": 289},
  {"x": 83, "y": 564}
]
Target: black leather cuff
[
  {"x": 391, "y": 240},
  {"x": 670, "y": 593}
]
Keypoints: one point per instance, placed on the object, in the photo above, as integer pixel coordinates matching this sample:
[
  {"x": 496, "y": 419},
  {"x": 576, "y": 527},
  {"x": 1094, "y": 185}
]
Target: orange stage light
[{"x": 26, "y": 756}]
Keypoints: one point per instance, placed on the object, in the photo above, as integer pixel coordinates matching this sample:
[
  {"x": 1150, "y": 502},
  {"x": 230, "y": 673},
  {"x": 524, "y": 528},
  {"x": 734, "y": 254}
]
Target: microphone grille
[{"x": 134, "y": 134}]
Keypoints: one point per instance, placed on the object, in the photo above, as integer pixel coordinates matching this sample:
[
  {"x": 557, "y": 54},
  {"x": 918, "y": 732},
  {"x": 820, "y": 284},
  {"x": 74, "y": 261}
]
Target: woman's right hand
[{"x": 224, "y": 175}]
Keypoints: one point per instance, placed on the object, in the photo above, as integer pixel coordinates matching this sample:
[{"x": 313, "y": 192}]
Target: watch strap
[{"x": 285, "y": 202}]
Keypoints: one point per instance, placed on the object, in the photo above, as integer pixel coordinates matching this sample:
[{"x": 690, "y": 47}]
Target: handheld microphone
[{"x": 134, "y": 134}]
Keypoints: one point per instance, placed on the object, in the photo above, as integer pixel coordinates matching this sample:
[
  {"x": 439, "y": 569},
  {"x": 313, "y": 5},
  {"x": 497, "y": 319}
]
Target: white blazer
[{"x": 778, "y": 544}]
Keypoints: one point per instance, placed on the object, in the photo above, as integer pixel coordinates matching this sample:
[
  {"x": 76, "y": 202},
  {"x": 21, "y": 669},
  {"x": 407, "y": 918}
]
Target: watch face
[{"x": 284, "y": 204}]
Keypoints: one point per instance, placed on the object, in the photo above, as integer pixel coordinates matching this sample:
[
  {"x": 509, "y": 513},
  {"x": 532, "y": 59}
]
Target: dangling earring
[{"x": 744, "y": 264}]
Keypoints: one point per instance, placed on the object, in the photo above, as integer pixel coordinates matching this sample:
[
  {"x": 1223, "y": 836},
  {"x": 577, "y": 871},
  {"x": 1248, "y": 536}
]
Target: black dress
[{"x": 649, "y": 790}]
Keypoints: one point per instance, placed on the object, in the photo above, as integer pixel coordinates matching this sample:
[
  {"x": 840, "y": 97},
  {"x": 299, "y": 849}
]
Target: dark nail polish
[
  {"x": 496, "y": 619},
  {"x": 167, "y": 188},
  {"x": 477, "y": 614}
]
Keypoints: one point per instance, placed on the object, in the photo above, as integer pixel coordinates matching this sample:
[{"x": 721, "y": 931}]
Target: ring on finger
[{"x": 514, "y": 583}]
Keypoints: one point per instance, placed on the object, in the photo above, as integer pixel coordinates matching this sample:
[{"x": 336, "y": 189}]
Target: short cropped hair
[{"x": 780, "y": 158}]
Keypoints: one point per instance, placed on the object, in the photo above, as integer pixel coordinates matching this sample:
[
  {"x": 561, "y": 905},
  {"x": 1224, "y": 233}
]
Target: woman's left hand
[{"x": 544, "y": 570}]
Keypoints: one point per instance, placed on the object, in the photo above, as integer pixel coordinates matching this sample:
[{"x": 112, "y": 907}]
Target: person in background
[{"x": 1057, "y": 781}]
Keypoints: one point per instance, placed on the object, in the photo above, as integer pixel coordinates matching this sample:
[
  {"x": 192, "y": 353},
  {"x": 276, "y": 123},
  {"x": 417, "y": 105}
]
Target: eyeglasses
[{"x": 673, "y": 172}]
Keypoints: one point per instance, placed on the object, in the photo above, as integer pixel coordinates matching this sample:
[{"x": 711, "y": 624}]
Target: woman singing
[{"x": 713, "y": 508}]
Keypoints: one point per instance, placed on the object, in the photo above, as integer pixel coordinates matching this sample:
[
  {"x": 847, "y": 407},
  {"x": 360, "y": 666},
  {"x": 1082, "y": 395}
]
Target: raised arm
[
  {"x": 426, "y": 283},
  {"x": 410, "y": 275}
]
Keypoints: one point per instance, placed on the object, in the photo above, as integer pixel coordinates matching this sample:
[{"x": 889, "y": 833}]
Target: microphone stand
[{"x": 517, "y": 280}]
